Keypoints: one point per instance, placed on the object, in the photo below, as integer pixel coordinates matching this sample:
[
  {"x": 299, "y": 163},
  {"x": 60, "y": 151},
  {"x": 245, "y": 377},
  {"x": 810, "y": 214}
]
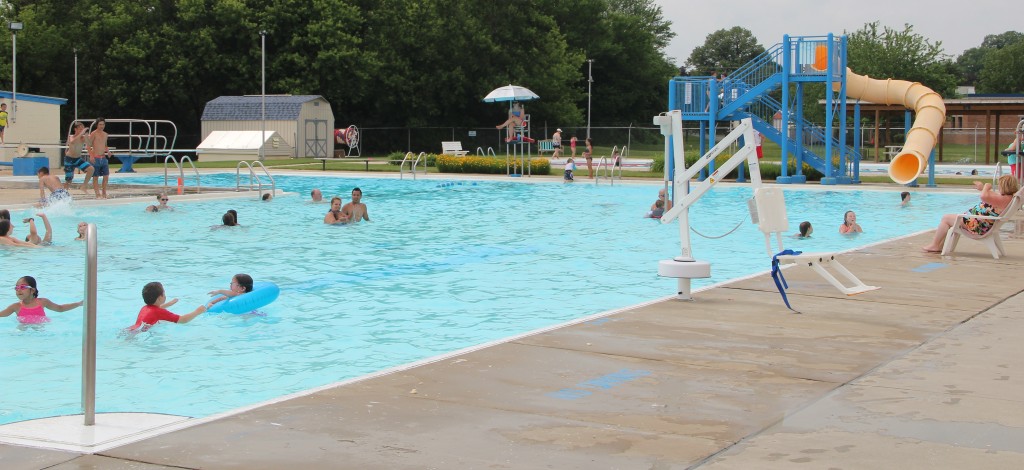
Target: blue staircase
[{"x": 754, "y": 89}]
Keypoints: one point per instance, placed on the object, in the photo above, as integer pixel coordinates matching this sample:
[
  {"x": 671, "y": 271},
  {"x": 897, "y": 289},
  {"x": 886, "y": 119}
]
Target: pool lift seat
[{"x": 772, "y": 220}]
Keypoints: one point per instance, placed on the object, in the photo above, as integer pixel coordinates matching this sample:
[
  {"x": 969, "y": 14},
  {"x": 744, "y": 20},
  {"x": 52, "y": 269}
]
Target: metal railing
[
  {"x": 89, "y": 329},
  {"x": 413, "y": 164},
  {"x": 607, "y": 167},
  {"x": 145, "y": 137},
  {"x": 253, "y": 177},
  {"x": 489, "y": 153},
  {"x": 181, "y": 172}
]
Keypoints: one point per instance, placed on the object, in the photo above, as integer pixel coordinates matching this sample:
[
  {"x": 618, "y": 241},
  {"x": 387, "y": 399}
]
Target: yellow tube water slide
[{"x": 927, "y": 104}]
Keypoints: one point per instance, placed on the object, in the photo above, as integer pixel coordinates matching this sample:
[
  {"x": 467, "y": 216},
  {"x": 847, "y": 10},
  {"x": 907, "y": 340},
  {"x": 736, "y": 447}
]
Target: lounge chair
[
  {"x": 771, "y": 214},
  {"x": 990, "y": 238}
]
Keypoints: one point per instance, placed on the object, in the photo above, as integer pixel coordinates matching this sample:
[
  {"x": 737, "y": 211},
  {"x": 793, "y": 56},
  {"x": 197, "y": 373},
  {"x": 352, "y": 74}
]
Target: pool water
[{"x": 442, "y": 266}]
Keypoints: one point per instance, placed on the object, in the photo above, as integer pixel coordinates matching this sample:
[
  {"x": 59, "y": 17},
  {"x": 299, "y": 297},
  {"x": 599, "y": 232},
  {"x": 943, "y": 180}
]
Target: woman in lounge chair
[{"x": 992, "y": 204}]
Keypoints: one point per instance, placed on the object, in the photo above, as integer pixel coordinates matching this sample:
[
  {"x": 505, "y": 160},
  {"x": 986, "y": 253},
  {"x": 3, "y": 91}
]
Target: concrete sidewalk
[{"x": 927, "y": 372}]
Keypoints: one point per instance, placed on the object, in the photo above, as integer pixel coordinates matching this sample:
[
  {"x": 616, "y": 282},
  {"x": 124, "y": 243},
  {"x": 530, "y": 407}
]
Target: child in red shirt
[{"x": 156, "y": 308}]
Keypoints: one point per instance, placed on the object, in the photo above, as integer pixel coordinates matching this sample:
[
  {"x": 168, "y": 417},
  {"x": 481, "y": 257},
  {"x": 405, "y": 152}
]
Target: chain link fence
[{"x": 385, "y": 140}]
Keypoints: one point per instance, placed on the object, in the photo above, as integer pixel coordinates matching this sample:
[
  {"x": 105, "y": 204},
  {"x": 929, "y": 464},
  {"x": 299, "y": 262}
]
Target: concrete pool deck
[{"x": 921, "y": 374}]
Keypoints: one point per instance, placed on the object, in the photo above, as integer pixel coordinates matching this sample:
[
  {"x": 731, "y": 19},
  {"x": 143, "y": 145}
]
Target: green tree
[
  {"x": 1003, "y": 70},
  {"x": 971, "y": 62},
  {"x": 724, "y": 50},
  {"x": 631, "y": 69},
  {"x": 884, "y": 52},
  {"x": 379, "y": 62}
]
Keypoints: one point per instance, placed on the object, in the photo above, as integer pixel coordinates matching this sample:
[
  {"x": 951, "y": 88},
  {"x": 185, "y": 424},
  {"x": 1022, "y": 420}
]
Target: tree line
[
  {"x": 378, "y": 62},
  {"x": 413, "y": 63}
]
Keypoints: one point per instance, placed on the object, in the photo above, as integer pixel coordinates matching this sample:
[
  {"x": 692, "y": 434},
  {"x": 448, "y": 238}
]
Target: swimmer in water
[
  {"x": 335, "y": 216},
  {"x": 30, "y": 306},
  {"x": 156, "y": 308},
  {"x": 240, "y": 284}
]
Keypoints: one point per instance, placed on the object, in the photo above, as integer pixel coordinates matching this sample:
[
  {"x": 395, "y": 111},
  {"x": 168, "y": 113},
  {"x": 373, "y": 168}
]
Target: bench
[
  {"x": 324, "y": 160},
  {"x": 545, "y": 146},
  {"x": 453, "y": 148}
]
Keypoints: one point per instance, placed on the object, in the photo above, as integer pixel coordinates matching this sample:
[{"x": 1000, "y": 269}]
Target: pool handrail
[
  {"x": 89, "y": 329},
  {"x": 253, "y": 176},
  {"x": 609, "y": 166},
  {"x": 413, "y": 164},
  {"x": 151, "y": 143},
  {"x": 181, "y": 171}
]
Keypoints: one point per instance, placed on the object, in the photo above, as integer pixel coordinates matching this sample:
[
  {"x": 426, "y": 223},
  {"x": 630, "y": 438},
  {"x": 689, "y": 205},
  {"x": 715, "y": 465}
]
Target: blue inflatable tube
[{"x": 263, "y": 293}]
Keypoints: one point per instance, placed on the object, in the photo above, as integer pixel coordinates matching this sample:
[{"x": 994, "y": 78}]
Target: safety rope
[{"x": 723, "y": 235}]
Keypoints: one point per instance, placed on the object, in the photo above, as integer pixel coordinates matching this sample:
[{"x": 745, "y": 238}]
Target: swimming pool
[{"x": 443, "y": 266}]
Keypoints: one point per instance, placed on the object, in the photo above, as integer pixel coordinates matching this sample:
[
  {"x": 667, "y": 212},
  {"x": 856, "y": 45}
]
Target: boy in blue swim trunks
[
  {"x": 48, "y": 181},
  {"x": 100, "y": 153},
  {"x": 73, "y": 158}
]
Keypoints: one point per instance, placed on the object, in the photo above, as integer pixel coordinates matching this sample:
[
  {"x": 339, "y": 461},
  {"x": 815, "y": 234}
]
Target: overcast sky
[{"x": 958, "y": 25}]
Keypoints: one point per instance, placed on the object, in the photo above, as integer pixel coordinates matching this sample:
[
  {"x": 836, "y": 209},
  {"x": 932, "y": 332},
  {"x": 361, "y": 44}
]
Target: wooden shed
[
  {"x": 36, "y": 123},
  {"x": 305, "y": 122}
]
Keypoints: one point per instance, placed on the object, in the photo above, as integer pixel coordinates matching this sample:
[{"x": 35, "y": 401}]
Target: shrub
[
  {"x": 658, "y": 166},
  {"x": 486, "y": 165},
  {"x": 772, "y": 171}
]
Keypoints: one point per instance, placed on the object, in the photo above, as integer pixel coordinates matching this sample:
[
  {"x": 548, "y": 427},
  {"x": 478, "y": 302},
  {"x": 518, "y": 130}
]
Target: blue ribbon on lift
[{"x": 780, "y": 281}]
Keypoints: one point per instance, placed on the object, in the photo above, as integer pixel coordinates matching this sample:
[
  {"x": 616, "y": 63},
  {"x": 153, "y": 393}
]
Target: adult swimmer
[
  {"x": 356, "y": 210},
  {"x": 7, "y": 228},
  {"x": 161, "y": 204},
  {"x": 335, "y": 216}
]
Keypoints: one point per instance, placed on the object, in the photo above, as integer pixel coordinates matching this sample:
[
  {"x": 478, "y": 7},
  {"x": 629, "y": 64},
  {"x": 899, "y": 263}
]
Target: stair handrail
[
  {"x": 253, "y": 177},
  {"x": 421, "y": 157},
  {"x": 597, "y": 171},
  {"x": 181, "y": 171},
  {"x": 401, "y": 167},
  {"x": 273, "y": 184},
  {"x": 608, "y": 165}
]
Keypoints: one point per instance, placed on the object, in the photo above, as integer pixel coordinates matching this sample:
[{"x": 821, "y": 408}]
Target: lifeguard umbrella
[{"x": 510, "y": 92}]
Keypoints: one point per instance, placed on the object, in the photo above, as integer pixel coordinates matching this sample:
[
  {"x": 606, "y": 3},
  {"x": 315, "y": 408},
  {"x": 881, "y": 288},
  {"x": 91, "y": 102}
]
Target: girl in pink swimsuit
[{"x": 30, "y": 306}]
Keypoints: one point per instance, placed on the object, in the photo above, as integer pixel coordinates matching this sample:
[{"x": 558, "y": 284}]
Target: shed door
[{"x": 316, "y": 138}]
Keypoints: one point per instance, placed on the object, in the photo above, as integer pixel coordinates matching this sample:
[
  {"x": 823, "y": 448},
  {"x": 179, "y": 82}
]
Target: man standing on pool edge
[
  {"x": 99, "y": 153},
  {"x": 355, "y": 210}
]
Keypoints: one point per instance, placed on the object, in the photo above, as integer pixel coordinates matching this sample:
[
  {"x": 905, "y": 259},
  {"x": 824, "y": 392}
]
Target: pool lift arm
[
  {"x": 685, "y": 267},
  {"x": 767, "y": 210}
]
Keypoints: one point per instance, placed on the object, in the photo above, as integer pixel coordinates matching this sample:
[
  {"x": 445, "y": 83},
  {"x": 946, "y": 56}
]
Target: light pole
[
  {"x": 590, "y": 83},
  {"x": 76, "y": 84},
  {"x": 263, "y": 92},
  {"x": 15, "y": 26}
]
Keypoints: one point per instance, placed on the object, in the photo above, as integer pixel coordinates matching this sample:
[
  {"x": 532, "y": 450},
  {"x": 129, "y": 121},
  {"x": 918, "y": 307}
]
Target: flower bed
[{"x": 486, "y": 165}]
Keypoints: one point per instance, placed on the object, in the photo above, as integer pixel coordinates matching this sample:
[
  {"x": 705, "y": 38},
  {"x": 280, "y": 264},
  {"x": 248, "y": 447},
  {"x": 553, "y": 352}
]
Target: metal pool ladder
[
  {"x": 254, "y": 179},
  {"x": 412, "y": 164},
  {"x": 181, "y": 172},
  {"x": 610, "y": 166}
]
